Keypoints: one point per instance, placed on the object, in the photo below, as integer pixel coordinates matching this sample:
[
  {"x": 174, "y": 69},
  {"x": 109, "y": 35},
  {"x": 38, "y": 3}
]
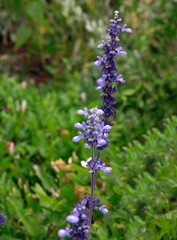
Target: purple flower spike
[
  {"x": 79, "y": 219},
  {"x": 95, "y": 131},
  {"x": 110, "y": 73}
]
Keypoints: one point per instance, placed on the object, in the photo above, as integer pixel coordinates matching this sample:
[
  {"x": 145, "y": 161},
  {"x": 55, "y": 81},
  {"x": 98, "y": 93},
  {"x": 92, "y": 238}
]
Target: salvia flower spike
[
  {"x": 110, "y": 73},
  {"x": 95, "y": 130}
]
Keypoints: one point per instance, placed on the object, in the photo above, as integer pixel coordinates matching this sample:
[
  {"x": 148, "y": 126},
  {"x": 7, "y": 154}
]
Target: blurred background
[{"x": 47, "y": 50}]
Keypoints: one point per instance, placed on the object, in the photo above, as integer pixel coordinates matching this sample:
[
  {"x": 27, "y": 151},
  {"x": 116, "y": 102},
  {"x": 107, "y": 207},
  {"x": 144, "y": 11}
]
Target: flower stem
[
  {"x": 93, "y": 181},
  {"x": 91, "y": 197}
]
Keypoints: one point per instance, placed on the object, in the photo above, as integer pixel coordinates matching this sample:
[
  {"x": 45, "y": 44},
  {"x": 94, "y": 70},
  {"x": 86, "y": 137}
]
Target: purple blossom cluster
[
  {"x": 2, "y": 218},
  {"x": 110, "y": 73},
  {"x": 94, "y": 131},
  {"x": 79, "y": 219},
  {"x": 96, "y": 165}
]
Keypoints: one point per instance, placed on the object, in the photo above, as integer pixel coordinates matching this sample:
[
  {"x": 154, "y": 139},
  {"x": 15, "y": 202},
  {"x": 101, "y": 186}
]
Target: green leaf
[
  {"x": 129, "y": 92},
  {"x": 35, "y": 12},
  {"x": 2, "y": 148},
  {"x": 46, "y": 180},
  {"x": 16, "y": 5},
  {"x": 46, "y": 201},
  {"x": 29, "y": 222},
  {"x": 117, "y": 190},
  {"x": 22, "y": 36}
]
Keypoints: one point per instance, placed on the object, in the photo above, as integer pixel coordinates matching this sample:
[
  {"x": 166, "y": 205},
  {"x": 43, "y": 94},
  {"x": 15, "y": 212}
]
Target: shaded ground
[{"x": 21, "y": 63}]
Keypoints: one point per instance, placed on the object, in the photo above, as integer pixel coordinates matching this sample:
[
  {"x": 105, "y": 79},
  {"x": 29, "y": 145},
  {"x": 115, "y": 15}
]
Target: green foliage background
[{"x": 40, "y": 173}]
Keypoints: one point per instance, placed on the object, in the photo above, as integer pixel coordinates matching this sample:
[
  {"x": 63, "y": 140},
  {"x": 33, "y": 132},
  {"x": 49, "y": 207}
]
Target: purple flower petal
[
  {"x": 86, "y": 145},
  {"x": 107, "y": 170},
  {"x": 112, "y": 52},
  {"x": 105, "y": 135},
  {"x": 128, "y": 30},
  {"x": 98, "y": 62},
  {"x": 99, "y": 88},
  {"x": 101, "y": 142},
  {"x": 77, "y": 138},
  {"x": 104, "y": 210},
  {"x": 120, "y": 51},
  {"x": 107, "y": 128},
  {"x": 72, "y": 219},
  {"x": 120, "y": 79},
  {"x": 100, "y": 112},
  {"x": 62, "y": 233},
  {"x": 84, "y": 216},
  {"x": 124, "y": 29},
  {"x": 83, "y": 112},
  {"x": 101, "y": 45},
  {"x": 123, "y": 52},
  {"x": 80, "y": 112},
  {"x": 101, "y": 81},
  {"x": 79, "y": 125}
]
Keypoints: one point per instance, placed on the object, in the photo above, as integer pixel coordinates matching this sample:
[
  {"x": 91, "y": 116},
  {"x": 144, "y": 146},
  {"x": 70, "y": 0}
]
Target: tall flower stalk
[{"x": 95, "y": 130}]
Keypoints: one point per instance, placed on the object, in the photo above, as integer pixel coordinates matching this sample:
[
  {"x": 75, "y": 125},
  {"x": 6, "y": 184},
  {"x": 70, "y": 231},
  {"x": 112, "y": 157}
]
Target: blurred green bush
[
  {"x": 41, "y": 176},
  {"x": 60, "y": 38},
  {"x": 55, "y": 31}
]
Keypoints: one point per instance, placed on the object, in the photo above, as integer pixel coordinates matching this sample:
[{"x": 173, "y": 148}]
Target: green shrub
[{"x": 38, "y": 186}]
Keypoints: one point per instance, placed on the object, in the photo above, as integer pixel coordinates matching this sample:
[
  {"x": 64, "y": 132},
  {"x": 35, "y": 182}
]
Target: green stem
[{"x": 93, "y": 181}]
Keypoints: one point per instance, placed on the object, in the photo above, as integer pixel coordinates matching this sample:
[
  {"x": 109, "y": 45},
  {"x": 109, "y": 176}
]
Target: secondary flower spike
[
  {"x": 79, "y": 218},
  {"x": 110, "y": 73}
]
